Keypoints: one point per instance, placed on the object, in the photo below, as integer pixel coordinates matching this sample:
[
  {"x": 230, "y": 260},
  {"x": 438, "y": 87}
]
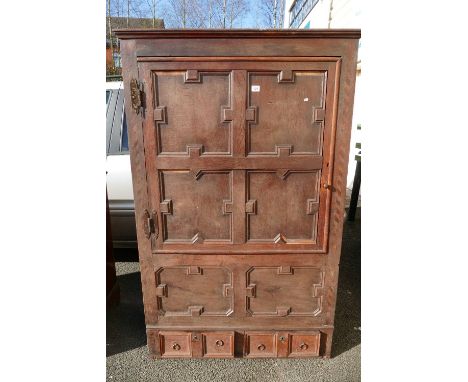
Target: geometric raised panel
[
  {"x": 284, "y": 291},
  {"x": 251, "y": 207},
  {"x": 312, "y": 206},
  {"x": 192, "y": 107},
  {"x": 288, "y": 108},
  {"x": 196, "y": 209},
  {"x": 282, "y": 206},
  {"x": 166, "y": 207},
  {"x": 286, "y": 76},
  {"x": 192, "y": 75},
  {"x": 194, "y": 291}
]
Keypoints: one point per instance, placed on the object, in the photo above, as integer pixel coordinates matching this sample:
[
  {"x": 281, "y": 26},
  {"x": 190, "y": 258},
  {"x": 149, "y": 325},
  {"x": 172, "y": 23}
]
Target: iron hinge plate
[
  {"x": 136, "y": 94},
  {"x": 150, "y": 224}
]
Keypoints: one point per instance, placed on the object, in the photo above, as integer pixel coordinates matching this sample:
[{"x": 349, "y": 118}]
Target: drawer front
[
  {"x": 258, "y": 345},
  {"x": 304, "y": 344},
  {"x": 218, "y": 344},
  {"x": 175, "y": 344}
]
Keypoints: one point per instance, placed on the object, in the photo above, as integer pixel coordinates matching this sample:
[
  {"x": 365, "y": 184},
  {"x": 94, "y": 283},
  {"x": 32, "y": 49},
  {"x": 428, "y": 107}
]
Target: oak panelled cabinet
[{"x": 239, "y": 143}]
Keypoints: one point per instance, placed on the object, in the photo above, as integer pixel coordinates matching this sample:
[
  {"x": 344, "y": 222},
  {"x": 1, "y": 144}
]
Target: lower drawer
[
  {"x": 222, "y": 344},
  {"x": 303, "y": 344},
  {"x": 218, "y": 344},
  {"x": 175, "y": 344},
  {"x": 281, "y": 344},
  {"x": 260, "y": 345},
  {"x": 194, "y": 344}
]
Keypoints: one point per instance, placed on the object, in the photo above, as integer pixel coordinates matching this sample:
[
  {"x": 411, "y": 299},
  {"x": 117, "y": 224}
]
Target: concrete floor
[{"x": 127, "y": 356}]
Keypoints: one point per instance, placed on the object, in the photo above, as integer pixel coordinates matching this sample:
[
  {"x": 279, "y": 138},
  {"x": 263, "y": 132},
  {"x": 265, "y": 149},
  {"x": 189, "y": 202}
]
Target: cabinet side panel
[
  {"x": 137, "y": 160},
  {"x": 340, "y": 167}
]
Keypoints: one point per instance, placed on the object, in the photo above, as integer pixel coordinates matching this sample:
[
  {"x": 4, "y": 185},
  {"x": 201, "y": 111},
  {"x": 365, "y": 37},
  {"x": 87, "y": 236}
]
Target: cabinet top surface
[{"x": 236, "y": 33}]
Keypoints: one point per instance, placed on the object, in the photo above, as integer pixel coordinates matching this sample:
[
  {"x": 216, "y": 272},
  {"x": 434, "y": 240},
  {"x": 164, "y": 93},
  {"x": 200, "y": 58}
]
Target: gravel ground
[{"x": 128, "y": 360}]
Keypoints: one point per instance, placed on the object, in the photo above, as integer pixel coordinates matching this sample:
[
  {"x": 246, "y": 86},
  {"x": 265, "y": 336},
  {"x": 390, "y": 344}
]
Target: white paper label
[{"x": 255, "y": 88}]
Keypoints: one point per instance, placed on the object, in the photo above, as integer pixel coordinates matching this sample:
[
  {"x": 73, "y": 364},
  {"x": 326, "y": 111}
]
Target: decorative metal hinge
[
  {"x": 150, "y": 224},
  {"x": 136, "y": 91}
]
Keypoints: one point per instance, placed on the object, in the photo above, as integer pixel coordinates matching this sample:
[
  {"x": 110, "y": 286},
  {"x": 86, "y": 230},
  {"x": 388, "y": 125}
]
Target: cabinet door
[{"x": 239, "y": 153}]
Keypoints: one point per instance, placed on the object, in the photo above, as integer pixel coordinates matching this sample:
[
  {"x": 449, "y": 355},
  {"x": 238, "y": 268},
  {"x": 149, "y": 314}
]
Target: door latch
[
  {"x": 150, "y": 224},
  {"x": 136, "y": 94}
]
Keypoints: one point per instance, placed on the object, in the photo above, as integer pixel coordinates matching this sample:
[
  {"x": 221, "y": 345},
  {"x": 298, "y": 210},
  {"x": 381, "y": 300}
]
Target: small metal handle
[
  {"x": 303, "y": 346},
  {"x": 326, "y": 186},
  {"x": 176, "y": 346},
  {"x": 219, "y": 343},
  {"x": 261, "y": 347}
]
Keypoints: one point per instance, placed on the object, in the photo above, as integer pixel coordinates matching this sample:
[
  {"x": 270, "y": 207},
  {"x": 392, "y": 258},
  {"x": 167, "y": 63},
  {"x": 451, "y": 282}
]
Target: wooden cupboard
[{"x": 239, "y": 143}]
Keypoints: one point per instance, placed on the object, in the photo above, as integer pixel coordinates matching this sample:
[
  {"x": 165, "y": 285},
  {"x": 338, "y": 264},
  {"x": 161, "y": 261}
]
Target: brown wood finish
[{"x": 239, "y": 154}]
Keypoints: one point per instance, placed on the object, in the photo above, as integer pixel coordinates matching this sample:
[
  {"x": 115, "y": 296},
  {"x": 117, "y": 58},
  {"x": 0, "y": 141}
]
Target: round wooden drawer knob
[
  {"x": 261, "y": 347},
  {"x": 176, "y": 346},
  {"x": 219, "y": 343},
  {"x": 303, "y": 346}
]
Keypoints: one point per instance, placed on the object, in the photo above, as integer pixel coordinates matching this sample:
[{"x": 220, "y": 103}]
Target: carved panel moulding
[
  {"x": 275, "y": 291},
  {"x": 285, "y": 270},
  {"x": 283, "y": 173},
  {"x": 195, "y": 116},
  {"x": 196, "y": 174},
  {"x": 194, "y": 270},
  {"x": 312, "y": 206},
  {"x": 251, "y": 207},
  {"x": 227, "y": 207},
  {"x": 318, "y": 118},
  {"x": 280, "y": 239},
  {"x": 160, "y": 114},
  {"x": 166, "y": 207},
  {"x": 192, "y": 75},
  {"x": 195, "y": 310},
  {"x": 303, "y": 92},
  {"x": 250, "y": 290},
  {"x": 207, "y": 193},
  {"x": 174, "y": 298},
  {"x": 161, "y": 290},
  {"x": 228, "y": 114},
  {"x": 251, "y": 115},
  {"x": 297, "y": 192},
  {"x": 283, "y": 311},
  {"x": 198, "y": 238},
  {"x": 286, "y": 76}
]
